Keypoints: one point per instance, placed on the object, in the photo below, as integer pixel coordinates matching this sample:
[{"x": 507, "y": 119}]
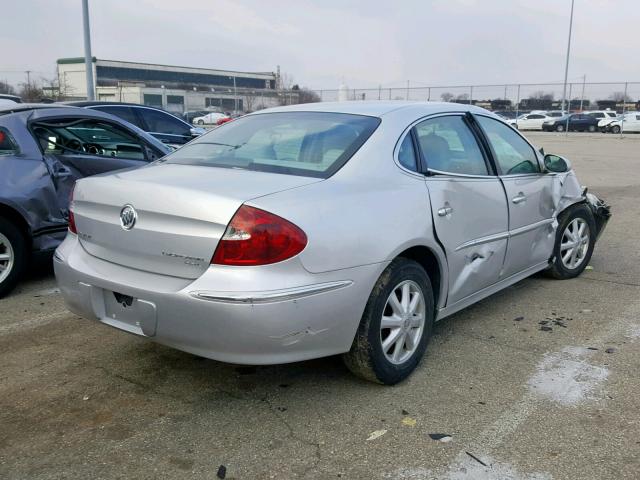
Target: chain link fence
[{"x": 524, "y": 97}]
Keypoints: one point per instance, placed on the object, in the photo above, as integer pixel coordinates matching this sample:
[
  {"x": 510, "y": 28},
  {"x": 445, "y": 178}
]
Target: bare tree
[
  {"x": 541, "y": 95},
  {"x": 620, "y": 97},
  {"x": 248, "y": 101},
  {"x": 6, "y": 88},
  {"x": 447, "y": 96},
  {"x": 31, "y": 92},
  {"x": 305, "y": 95},
  {"x": 463, "y": 96}
]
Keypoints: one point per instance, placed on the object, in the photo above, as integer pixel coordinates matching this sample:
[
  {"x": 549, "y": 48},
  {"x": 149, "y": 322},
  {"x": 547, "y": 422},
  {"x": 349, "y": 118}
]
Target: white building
[{"x": 176, "y": 89}]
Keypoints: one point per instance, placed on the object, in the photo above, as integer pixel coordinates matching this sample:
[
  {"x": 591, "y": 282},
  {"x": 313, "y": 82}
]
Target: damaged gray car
[
  {"x": 44, "y": 149},
  {"x": 320, "y": 229}
]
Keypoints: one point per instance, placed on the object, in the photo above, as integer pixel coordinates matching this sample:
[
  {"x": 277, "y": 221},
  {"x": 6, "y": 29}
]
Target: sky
[{"x": 322, "y": 44}]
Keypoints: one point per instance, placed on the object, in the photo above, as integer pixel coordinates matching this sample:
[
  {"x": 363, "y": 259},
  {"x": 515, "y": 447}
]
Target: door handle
[
  {"x": 62, "y": 172},
  {"x": 444, "y": 211},
  {"x": 521, "y": 197}
]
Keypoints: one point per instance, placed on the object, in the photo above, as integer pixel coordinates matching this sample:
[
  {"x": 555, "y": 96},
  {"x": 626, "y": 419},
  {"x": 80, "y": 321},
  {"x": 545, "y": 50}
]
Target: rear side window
[
  {"x": 407, "y": 154},
  {"x": 314, "y": 144},
  {"x": 448, "y": 145},
  {"x": 7, "y": 145},
  {"x": 512, "y": 153},
  {"x": 125, "y": 113},
  {"x": 598, "y": 115}
]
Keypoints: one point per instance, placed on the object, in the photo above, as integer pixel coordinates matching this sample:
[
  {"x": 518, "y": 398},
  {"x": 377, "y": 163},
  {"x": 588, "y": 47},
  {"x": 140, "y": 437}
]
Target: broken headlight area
[{"x": 601, "y": 212}]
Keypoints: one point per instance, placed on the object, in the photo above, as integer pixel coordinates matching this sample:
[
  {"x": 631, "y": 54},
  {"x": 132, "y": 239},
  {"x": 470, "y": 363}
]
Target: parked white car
[
  {"x": 629, "y": 122},
  {"x": 209, "y": 119},
  {"x": 605, "y": 117},
  {"x": 529, "y": 121}
]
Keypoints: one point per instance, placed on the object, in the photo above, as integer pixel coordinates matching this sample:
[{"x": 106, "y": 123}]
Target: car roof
[
  {"x": 22, "y": 107},
  {"x": 91, "y": 103},
  {"x": 374, "y": 108}
]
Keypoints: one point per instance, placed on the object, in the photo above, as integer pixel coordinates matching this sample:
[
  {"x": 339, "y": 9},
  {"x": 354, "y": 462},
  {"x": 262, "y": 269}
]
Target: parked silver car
[{"x": 321, "y": 229}]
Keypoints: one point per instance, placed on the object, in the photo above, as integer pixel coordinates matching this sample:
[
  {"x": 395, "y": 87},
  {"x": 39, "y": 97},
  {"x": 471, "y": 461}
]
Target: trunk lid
[{"x": 181, "y": 213}]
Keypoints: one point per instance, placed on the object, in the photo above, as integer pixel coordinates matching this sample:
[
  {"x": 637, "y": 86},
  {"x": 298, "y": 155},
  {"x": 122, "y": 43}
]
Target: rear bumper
[{"x": 245, "y": 315}]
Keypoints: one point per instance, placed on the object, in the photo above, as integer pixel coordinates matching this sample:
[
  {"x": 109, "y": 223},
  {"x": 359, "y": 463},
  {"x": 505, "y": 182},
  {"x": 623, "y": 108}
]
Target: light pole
[
  {"x": 88, "y": 63},
  {"x": 235, "y": 95},
  {"x": 566, "y": 66}
]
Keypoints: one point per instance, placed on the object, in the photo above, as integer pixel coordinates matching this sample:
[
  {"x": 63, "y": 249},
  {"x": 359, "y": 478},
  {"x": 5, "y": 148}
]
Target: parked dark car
[
  {"x": 574, "y": 122},
  {"x": 44, "y": 149},
  {"x": 164, "y": 126}
]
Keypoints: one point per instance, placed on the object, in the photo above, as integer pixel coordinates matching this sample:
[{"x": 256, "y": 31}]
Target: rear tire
[
  {"x": 200, "y": 122},
  {"x": 572, "y": 250},
  {"x": 388, "y": 354},
  {"x": 592, "y": 128},
  {"x": 615, "y": 129},
  {"x": 13, "y": 256}
]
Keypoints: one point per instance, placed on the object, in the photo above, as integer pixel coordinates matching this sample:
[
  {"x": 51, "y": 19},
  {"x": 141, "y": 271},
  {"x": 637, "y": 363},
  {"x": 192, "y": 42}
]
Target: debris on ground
[
  {"x": 586, "y": 310},
  {"x": 588, "y": 267},
  {"x": 282, "y": 409},
  {"x": 409, "y": 422},
  {"x": 610, "y": 350},
  {"x": 404, "y": 412},
  {"x": 85, "y": 398},
  {"x": 376, "y": 434},
  {"x": 518, "y": 319},
  {"x": 592, "y": 348},
  {"x": 284, "y": 385},
  {"x": 477, "y": 459},
  {"x": 441, "y": 437},
  {"x": 222, "y": 472},
  {"x": 546, "y": 328}
]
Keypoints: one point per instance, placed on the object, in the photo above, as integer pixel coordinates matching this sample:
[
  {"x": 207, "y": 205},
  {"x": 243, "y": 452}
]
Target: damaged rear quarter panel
[{"x": 25, "y": 184}]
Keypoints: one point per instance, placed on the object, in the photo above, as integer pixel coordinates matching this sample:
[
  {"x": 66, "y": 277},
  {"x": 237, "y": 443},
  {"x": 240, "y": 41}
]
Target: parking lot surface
[{"x": 537, "y": 382}]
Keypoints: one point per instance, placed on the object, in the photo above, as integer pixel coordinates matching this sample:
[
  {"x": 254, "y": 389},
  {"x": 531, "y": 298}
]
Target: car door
[
  {"x": 535, "y": 120},
  {"x": 164, "y": 126},
  {"x": 85, "y": 147},
  {"x": 529, "y": 193},
  {"x": 469, "y": 208}
]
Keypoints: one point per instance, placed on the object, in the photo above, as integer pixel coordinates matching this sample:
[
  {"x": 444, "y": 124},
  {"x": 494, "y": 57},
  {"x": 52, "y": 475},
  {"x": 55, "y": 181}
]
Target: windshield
[{"x": 314, "y": 144}]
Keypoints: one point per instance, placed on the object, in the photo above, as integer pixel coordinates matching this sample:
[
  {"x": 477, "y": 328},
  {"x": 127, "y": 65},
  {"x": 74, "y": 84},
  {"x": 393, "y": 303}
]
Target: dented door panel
[{"x": 471, "y": 222}]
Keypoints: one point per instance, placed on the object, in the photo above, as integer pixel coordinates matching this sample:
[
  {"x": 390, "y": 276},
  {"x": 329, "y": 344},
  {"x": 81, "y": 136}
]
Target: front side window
[
  {"x": 598, "y": 115},
  {"x": 160, "y": 122},
  {"x": 448, "y": 145},
  {"x": 314, "y": 144},
  {"x": 511, "y": 152},
  {"x": 88, "y": 137}
]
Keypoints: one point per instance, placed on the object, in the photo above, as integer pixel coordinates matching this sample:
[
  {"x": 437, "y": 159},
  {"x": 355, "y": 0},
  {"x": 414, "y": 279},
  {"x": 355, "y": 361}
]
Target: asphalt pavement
[{"x": 537, "y": 382}]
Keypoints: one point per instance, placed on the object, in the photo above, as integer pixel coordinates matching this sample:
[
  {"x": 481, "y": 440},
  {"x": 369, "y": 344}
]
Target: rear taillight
[
  {"x": 72, "y": 220},
  {"x": 256, "y": 237}
]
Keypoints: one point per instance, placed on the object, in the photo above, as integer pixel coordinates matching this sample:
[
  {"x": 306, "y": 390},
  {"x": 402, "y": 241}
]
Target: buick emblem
[{"x": 128, "y": 217}]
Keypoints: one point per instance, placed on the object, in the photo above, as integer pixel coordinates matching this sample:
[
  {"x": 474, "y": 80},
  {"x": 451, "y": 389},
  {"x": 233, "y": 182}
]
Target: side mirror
[
  {"x": 197, "y": 131},
  {"x": 556, "y": 164}
]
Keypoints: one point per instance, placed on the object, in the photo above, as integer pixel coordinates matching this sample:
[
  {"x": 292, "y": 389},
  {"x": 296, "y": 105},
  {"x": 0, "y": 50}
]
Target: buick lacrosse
[{"x": 332, "y": 228}]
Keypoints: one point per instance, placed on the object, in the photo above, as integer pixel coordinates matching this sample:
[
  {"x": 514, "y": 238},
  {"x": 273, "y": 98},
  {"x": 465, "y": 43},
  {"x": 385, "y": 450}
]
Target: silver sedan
[{"x": 332, "y": 228}]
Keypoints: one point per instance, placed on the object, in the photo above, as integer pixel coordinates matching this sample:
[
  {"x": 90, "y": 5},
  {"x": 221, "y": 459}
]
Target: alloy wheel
[
  {"x": 7, "y": 257},
  {"x": 575, "y": 243},
  {"x": 403, "y": 320}
]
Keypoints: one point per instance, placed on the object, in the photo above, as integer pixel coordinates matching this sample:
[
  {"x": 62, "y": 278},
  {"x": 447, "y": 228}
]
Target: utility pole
[
  {"x": 407, "y": 90},
  {"x": 88, "y": 61},
  {"x": 584, "y": 80},
  {"x": 566, "y": 65}
]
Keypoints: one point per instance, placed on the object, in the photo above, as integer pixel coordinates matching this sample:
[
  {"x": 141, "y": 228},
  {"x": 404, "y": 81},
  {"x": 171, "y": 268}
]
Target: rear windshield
[{"x": 313, "y": 144}]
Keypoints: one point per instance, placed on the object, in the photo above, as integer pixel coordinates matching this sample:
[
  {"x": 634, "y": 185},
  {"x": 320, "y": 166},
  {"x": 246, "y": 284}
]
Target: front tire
[
  {"x": 559, "y": 128},
  {"x": 13, "y": 256},
  {"x": 592, "y": 128},
  {"x": 200, "y": 122},
  {"x": 615, "y": 129},
  {"x": 575, "y": 240},
  {"x": 396, "y": 325}
]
